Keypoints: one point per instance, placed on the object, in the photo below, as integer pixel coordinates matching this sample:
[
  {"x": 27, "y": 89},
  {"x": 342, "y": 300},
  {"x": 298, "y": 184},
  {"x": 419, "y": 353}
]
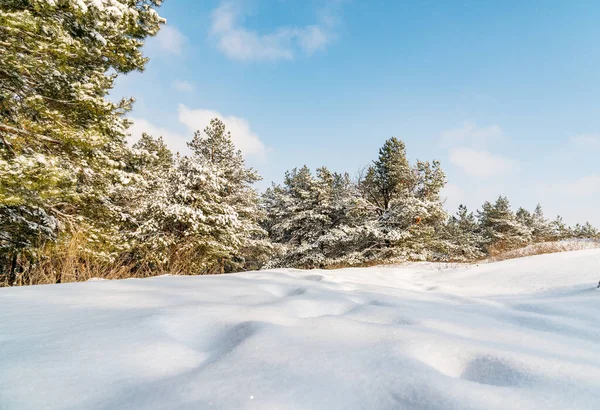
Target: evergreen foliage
[
  {"x": 62, "y": 142},
  {"x": 392, "y": 213},
  {"x": 199, "y": 208},
  {"x": 502, "y": 230},
  {"x": 407, "y": 202},
  {"x": 540, "y": 227},
  {"x": 463, "y": 238},
  {"x": 560, "y": 230},
  {"x": 585, "y": 231},
  {"x": 314, "y": 221}
]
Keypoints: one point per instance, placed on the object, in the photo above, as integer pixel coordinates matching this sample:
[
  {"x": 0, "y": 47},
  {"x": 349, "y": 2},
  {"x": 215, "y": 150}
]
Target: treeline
[
  {"x": 76, "y": 201},
  {"x": 393, "y": 212}
]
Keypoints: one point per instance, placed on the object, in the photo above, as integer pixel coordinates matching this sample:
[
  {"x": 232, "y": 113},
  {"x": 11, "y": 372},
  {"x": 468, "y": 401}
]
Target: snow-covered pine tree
[
  {"x": 61, "y": 140},
  {"x": 585, "y": 231},
  {"x": 315, "y": 221},
  {"x": 463, "y": 239},
  {"x": 542, "y": 231},
  {"x": 348, "y": 228},
  {"x": 500, "y": 227},
  {"x": 524, "y": 217},
  {"x": 560, "y": 230},
  {"x": 151, "y": 222},
  {"x": 236, "y": 216},
  {"x": 389, "y": 178},
  {"x": 407, "y": 201},
  {"x": 292, "y": 220},
  {"x": 426, "y": 239},
  {"x": 540, "y": 227},
  {"x": 194, "y": 214}
]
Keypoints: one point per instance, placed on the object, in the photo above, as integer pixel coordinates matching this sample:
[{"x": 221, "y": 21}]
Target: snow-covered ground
[{"x": 519, "y": 334}]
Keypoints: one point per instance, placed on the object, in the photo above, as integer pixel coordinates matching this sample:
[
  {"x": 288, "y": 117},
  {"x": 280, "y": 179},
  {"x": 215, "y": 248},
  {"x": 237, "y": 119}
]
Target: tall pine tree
[
  {"x": 62, "y": 142},
  {"x": 407, "y": 201}
]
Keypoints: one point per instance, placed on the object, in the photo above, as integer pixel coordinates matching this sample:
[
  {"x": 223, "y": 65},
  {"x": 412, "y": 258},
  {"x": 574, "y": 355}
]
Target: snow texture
[{"x": 516, "y": 334}]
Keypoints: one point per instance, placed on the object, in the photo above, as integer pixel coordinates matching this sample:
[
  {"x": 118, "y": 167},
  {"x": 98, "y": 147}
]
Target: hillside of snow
[{"x": 520, "y": 334}]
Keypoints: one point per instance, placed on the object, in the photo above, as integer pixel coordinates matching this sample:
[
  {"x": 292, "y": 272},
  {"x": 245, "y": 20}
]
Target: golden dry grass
[
  {"x": 546, "y": 247},
  {"x": 67, "y": 263}
]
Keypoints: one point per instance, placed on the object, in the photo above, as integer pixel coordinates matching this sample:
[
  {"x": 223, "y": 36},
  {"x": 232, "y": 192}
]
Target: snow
[{"x": 519, "y": 334}]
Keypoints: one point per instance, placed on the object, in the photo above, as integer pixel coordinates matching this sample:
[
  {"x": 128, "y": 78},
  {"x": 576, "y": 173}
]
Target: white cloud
[
  {"x": 196, "y": 120},
  {"x": 240, "y": 43},
  {"x": 243, "y": 137},
  {"x": 183, "y": 86},
  {"x": 469, "y": 133},
  {"x": 313, "y": 38},
  {"x": 170, "y": 40},
  {"x": 468, "y": 150},
  {"x": 175, "y": 141},
  {"x": 481, "y": 164},
  {"x": 588, "y": 185},
  {"x": 587, "y": 140}
]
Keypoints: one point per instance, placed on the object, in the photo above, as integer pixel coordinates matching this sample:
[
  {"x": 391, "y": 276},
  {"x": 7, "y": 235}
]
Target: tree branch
[
  {"x": 24, "y": 132},
  {"x": 7, "y": 145}
]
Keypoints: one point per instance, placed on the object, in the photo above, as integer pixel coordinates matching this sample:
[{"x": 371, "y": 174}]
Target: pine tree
[
  {"x": 197, "y": 213},
  {"x": 524, "y": 217},
  {"x": 536, "y": 222},
  {"x": 542, "y": 230},
  {"x": 236, "y": 201},
  {"x": 291, "y": 208},
  {"x": 390, "y": 176},
  {"x": 150, "y": 223},
  {"x": 560, "y": 230},
  {"x": 463, "y": 239},
  {"x": 293, "y": 222},
  {"x": 501, "y": 229},
  {"x": 585, "y": 231},
  {"x": 62, "y": 142},
  {"x": 315, "y": 221},
  {"x": 407, "y": 200}
]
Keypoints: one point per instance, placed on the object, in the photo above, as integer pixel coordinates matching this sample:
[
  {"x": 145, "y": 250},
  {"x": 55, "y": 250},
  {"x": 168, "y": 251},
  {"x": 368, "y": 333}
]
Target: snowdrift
[{"x": 520, "y": 334}]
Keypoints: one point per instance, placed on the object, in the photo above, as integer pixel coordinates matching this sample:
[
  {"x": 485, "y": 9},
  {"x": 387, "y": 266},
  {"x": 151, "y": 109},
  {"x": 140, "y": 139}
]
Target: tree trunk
[{"x": 12, "y": 272}]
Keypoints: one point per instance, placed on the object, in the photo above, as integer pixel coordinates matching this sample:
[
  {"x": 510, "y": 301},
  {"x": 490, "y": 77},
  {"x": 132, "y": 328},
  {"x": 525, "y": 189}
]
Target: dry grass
[
  {"x": 498, "y": 255},
  {"x": 546, "y": 247},
  {"x": 69, "y": 262}
]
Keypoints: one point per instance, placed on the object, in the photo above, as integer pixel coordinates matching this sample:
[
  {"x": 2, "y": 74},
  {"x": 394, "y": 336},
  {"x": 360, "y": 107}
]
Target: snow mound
[{"x": 515, "y": 334}]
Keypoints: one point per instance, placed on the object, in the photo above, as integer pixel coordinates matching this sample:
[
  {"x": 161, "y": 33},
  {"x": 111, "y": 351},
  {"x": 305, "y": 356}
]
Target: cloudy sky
[{"x": 506, "y": 94}]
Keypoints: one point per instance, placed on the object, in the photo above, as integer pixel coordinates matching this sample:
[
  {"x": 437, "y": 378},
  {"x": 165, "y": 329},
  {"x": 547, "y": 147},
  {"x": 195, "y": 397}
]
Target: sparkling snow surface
[{"x": 519, "y": 334}]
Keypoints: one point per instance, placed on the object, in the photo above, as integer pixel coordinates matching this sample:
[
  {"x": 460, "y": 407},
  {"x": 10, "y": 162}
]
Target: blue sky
[{"x": 506, "y": 94}]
